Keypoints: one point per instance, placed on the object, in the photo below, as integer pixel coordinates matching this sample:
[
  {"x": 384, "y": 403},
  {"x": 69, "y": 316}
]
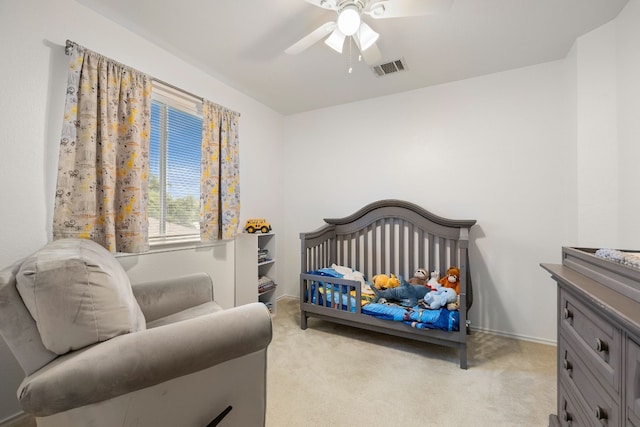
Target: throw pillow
[{"x": 78, "y": 294}]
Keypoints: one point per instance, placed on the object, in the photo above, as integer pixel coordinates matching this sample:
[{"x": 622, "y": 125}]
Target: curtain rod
[{"x": 70, "y": 45}]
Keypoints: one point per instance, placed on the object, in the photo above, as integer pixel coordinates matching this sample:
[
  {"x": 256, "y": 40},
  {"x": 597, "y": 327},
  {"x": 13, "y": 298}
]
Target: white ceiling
[{"x": 242, "y": 43}]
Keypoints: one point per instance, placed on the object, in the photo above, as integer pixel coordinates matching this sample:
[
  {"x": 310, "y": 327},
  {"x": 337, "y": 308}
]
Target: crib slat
[
  {"x": 391, "y": 243},
  {"x": 400, "y": 268},
  {"x": 383, "y": 247},
  {"x": 432, "y": 252},
  {"x": 365, "y": 265},
  {"x": 421, "y": 257},
  {"x": 375, "y": 241}
]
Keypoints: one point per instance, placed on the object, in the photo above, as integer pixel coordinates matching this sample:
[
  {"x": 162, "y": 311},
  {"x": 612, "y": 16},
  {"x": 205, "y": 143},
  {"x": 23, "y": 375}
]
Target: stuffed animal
[
  {"x": 451, "y": 279},
  {"x": 406, "y": 294},
  {"x": 433, "y": 280},
  {"x": 419, "y": 277},
  {"x": 382, "y": 281},
  {"x": 440, "y": 297},
  {"x": 351, "y": 274},
  {"x": 452, "y": 306}
]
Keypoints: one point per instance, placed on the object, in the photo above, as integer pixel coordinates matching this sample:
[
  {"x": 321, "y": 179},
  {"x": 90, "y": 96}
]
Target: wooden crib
[{"x": 387, "y": 236}]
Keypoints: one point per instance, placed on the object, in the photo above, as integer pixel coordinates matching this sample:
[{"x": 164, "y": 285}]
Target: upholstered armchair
[{"x": 98, "y": 351}]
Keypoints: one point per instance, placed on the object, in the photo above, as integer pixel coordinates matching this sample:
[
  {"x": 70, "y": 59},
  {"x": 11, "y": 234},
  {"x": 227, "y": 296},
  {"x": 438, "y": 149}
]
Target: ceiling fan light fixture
[
  {"x": 336, "y": 40},
  {"x": 366, "y": 36},
  {"x": 349, "y": 20}
]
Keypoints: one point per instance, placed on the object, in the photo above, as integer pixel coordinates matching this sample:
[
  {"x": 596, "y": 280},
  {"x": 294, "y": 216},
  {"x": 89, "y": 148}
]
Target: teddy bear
[
  {"x": 452, "y": 306},
  {"x": 419, "y": 277},
  {"x": 382, "y": 281},
  {"x": 406, "y": 294},
  {"x": 451, "y": 279}
]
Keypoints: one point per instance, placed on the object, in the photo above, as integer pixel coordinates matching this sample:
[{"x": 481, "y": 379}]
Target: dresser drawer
[
  {"x": 597, "y": 340},
  {"x": 576, "y": 376},
  {"x": 633, "y": 383},
  {"x": 569, "y": 412}
]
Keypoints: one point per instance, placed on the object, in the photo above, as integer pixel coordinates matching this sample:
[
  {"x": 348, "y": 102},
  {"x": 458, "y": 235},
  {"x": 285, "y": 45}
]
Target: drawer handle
[
  {"x": 568, "y": 314},
  {"x": 601, "y": 414},
  {"x": 567, "y": 417},
  {"x": 601, "y": 345},
  {"x": 567, "y": 365}
]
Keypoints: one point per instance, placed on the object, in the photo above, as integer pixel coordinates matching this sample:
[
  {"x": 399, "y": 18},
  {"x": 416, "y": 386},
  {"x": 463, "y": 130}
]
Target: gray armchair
[{"x": 158, "y": 354}]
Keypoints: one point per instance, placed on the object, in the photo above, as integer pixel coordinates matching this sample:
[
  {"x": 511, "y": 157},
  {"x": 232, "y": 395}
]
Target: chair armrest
[
  {"x": 142, "y": 359},
  {"x": 161, "y": 298}
]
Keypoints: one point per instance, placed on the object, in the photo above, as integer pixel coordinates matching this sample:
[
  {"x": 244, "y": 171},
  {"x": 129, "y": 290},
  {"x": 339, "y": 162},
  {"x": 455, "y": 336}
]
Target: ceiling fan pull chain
[{"x": 350, "y": 56}]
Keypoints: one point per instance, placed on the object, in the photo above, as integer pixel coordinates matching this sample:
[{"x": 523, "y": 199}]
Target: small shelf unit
[{"x": 256, "y": 270}]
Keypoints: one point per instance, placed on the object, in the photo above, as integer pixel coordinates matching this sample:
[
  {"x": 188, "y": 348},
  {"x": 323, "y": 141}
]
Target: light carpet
[{"x": 335, "y": 375}]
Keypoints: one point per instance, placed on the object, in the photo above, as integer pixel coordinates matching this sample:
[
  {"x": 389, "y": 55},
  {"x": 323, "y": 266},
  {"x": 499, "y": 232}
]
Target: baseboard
[
  {"x": 18, "y": 420},
  {"x": 514, "y": 336}
]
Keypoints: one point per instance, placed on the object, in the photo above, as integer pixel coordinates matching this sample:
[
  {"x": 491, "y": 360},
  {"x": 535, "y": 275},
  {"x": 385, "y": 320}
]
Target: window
[{"x": 174, "y": 165}]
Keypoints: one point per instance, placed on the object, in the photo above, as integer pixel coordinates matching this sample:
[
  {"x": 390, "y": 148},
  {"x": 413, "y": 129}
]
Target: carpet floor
[{"x": 334, "y": 375}]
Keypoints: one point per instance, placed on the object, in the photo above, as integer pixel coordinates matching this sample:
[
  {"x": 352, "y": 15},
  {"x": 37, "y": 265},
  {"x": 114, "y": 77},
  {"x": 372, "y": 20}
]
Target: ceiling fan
[{"x": 349, "y": 22}]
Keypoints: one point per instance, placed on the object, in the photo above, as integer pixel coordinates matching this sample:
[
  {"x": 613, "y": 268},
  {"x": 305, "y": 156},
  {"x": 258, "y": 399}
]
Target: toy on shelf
[{"x": 253, "y": 225}]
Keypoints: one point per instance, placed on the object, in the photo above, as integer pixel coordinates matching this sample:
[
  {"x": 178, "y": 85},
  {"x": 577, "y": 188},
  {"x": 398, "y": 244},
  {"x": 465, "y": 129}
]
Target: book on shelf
[
  {"x": 265, "y": 284},
  {"x": 263, "y": 255}
]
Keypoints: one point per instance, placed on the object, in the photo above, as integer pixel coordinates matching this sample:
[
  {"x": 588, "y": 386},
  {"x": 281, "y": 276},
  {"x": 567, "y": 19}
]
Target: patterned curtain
[
  {"x": 220, "y": 175},
  {"x": 103, "y": 166}
]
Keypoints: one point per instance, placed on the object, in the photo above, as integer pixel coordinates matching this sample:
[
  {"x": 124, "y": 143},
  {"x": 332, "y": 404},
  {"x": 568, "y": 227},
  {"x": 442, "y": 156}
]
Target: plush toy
[
  {"x": 419, "y": 277},
  {"x": 351, "y": 274},
  {"x": 440, "y": 297},
  {"x": 382, "y": 281},
  {"x": 433, "y": 280},
  {"x": 452, "y": 306},
  {"x": 451, "y": 279},
  {"x": 406, "y": 294}
]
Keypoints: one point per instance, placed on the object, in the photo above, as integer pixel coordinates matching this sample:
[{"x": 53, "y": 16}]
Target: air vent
[{"x": 389, "y": 67}]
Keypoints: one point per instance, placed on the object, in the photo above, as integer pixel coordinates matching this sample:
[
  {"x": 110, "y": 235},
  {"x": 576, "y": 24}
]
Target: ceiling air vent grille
[{"x": 389, "y": 67}]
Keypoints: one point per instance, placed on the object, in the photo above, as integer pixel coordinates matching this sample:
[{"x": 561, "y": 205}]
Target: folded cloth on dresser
[{"x": 631, "y": 259}]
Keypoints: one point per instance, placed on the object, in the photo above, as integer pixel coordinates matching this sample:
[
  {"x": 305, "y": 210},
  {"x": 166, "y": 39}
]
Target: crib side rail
[{"x": 332, "y": 292}]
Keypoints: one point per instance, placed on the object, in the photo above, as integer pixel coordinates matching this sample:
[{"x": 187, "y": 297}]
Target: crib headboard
[{"x": 390, "y": 236}]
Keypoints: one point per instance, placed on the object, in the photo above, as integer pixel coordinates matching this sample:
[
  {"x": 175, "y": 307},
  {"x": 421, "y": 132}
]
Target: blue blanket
[{"x": 416, "y": 317}]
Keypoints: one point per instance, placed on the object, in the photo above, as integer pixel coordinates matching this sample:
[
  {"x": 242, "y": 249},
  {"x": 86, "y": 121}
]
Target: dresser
[{"x": 598, "y": 341}]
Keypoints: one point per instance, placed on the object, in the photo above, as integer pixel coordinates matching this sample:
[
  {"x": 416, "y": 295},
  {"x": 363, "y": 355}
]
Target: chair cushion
[
  {"x": 17, "y": 326},
  {"x": 78, "y": 294}
]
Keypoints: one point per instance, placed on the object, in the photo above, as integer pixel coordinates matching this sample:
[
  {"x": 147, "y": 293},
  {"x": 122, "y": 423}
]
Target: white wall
[
  {"x": 628, "y": 94},
  {"x": 32, "y": 91},
  {"x": 608, "y": 92},
  {"x": 597, "y": 138},
  {"x": 499, "y": 149}
]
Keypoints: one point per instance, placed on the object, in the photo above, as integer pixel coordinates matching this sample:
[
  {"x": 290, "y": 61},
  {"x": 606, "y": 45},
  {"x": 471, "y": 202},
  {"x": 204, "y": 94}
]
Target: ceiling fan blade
[
  {"x": 403, "y": 8},
  {"x": 325, "y": 4},
  {"x": 311, "y": 38}
]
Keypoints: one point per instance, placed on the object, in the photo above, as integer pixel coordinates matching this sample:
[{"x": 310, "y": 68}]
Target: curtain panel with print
[
  {"x": 220, "y": 173},
  {"x": 103, "y": 166}
]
